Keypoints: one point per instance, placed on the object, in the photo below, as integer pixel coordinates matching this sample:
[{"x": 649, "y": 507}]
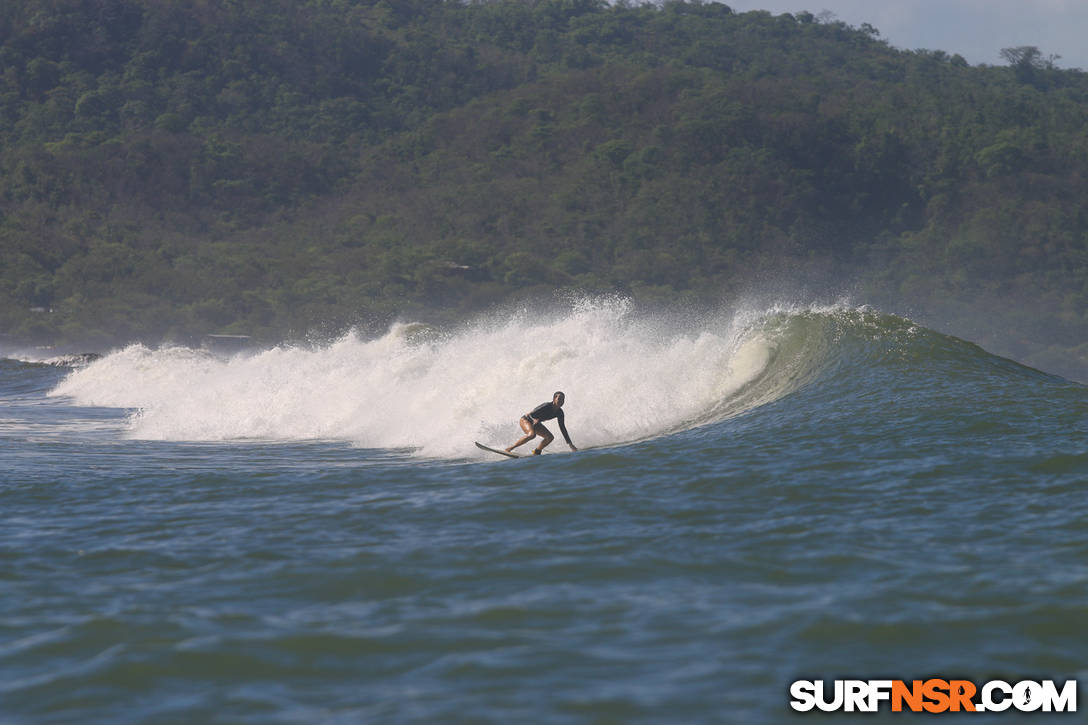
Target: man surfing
[{"x": 532, "y": 424}]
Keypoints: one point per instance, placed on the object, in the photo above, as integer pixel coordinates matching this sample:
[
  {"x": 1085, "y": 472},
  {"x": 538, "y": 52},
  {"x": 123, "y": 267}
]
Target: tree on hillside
[{"x": 1024, "y": 56}]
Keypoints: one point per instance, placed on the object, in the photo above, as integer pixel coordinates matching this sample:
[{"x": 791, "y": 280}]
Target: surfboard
[{"x": 481, "y": 446}]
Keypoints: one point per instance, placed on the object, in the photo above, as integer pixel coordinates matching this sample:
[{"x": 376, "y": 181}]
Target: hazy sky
[{"x": 976, "y": 29}]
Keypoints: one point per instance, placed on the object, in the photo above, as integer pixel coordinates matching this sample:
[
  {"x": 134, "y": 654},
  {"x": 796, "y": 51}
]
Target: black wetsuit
[{"x": 547, "y": 411}]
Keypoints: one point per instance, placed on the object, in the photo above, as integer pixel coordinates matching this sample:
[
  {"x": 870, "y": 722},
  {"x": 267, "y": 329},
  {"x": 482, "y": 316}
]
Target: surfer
[{"x": 533, "y": 426}]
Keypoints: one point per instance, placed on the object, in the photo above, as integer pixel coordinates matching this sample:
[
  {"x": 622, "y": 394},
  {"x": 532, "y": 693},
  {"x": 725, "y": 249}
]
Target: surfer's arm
[{"x": 563, "y": 429}]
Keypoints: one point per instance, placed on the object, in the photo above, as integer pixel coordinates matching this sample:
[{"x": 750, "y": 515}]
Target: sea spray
[{"x": 627, "y": 377}]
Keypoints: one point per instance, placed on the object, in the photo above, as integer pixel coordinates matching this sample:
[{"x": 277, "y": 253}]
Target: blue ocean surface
[{"x": 309, "y": 535}]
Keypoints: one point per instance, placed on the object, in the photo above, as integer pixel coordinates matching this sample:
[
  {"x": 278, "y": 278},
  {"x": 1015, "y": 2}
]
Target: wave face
[{"x": 627, "y": 376}]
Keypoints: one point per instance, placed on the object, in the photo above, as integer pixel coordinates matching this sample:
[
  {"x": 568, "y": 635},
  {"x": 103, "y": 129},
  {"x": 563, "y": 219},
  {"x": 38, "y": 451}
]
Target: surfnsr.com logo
[{"x": 933, "y": 696}]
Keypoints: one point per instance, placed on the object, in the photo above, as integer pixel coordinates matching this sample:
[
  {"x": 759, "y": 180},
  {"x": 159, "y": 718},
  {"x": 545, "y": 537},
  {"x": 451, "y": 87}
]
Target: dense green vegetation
[{"x": 274, "y": 167}]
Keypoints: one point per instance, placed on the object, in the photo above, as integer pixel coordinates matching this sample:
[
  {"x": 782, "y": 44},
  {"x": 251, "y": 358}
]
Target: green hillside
[{"x": 278, "y": 167}]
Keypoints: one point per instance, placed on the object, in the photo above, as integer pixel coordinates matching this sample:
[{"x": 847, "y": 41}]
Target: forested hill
[{"x": 272, "y": 167}]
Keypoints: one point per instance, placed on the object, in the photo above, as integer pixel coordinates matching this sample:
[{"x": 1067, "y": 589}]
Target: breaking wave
[{"x": 627, "y": 375}]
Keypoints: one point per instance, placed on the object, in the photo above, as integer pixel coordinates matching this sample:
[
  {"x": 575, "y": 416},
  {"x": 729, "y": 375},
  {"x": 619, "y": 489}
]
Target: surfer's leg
[
  {"x": 529, "y": 433},
  {"x": 546, "y": 436}
]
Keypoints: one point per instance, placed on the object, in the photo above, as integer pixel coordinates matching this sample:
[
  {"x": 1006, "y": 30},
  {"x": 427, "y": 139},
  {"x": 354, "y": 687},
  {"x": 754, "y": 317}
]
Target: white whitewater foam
[{"x": 626, "y": 377}]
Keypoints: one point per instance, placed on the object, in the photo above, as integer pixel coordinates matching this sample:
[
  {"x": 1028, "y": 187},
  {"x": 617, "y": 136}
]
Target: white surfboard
[{"x": 501, "y": 452}]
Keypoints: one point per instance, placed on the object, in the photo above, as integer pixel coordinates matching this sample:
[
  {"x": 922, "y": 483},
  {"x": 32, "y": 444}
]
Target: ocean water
[{"x": 308, "y": 535}]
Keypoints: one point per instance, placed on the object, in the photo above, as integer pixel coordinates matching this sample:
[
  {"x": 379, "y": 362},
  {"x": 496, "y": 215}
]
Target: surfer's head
[{"x": 558, "y": 398}]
